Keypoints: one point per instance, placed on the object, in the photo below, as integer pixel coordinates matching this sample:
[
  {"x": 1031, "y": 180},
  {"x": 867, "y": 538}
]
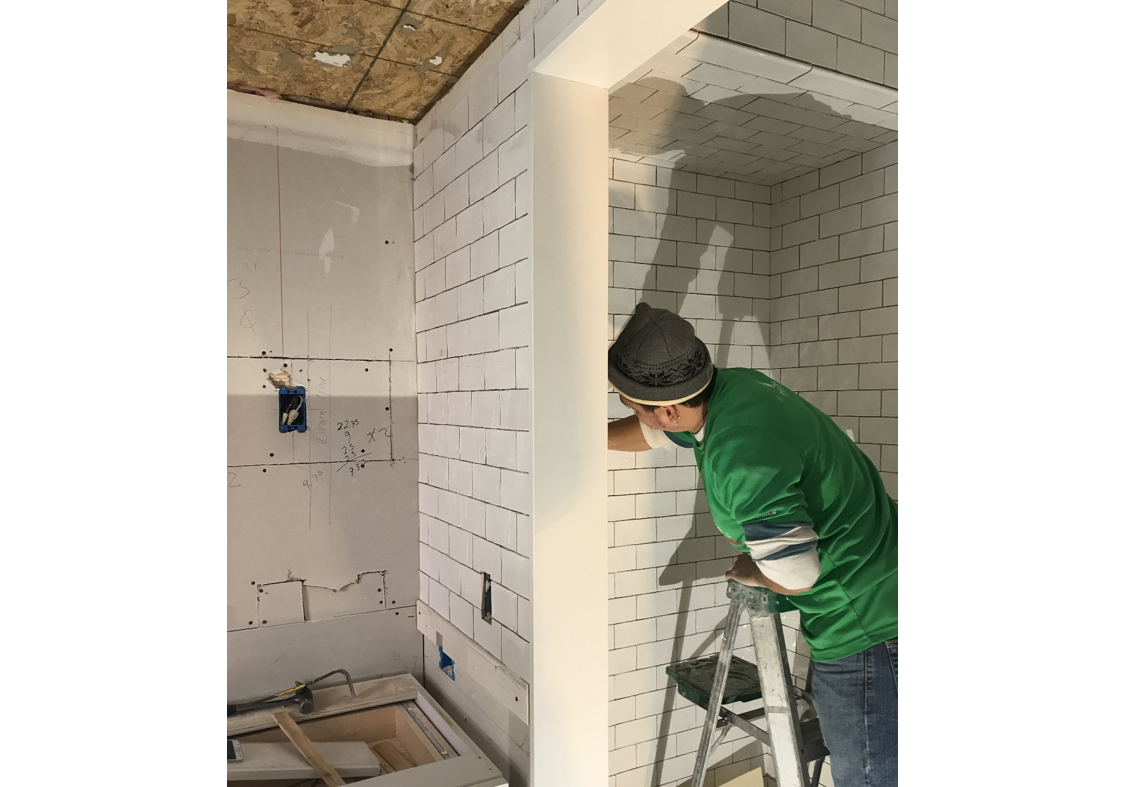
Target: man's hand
[{"x": 746, "y": 572}]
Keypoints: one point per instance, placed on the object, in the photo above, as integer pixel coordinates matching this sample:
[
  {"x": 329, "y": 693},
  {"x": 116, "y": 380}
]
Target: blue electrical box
[{"x": 291, "y": 411}]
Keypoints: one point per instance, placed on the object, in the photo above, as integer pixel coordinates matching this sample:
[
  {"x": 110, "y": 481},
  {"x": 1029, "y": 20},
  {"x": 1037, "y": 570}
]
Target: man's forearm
[
  {"x": 746, "y": 571},
  {"x": 769, "y": 584},
  {"x": 626, "y": 435}
]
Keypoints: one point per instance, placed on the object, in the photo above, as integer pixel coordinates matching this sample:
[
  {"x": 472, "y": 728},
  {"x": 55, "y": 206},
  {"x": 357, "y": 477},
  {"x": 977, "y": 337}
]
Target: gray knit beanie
[{"x": 657, "y": 359}]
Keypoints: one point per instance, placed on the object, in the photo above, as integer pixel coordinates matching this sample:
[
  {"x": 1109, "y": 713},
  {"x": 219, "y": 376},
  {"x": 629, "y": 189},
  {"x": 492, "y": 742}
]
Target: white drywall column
[
  {"x": 569, "y": 303},
  {"x": 570, "y": 249}
]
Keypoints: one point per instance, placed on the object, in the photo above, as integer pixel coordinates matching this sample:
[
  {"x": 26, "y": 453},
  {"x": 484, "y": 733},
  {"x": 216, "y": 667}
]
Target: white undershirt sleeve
[{"x": 656, "y": 438}]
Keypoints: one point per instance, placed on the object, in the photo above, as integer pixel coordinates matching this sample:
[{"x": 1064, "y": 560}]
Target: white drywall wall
[
  {"x": 569, "y": 299},
  {"x": 322, "y": 525}
]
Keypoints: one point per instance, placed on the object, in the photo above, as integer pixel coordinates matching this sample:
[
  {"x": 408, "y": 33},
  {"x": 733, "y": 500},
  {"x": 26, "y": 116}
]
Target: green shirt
[{"x": 768, "y": 456}]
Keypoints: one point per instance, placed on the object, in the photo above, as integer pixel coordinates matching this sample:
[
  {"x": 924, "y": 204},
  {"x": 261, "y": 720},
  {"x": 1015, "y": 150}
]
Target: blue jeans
[{"x": 856, "y": 700}]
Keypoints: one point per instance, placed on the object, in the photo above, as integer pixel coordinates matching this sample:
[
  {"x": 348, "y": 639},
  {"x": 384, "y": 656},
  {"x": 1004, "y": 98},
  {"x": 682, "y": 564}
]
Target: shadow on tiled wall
[{"x": 733, "y": 258}]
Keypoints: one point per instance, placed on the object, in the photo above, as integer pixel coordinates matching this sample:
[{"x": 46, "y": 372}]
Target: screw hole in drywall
[
  {"x": 264, "y": 622},
  {"x": 263, "y": 469},
  {"x": 271, "y": 453},
  {"x": 391, "y": 350},
  {"x": 366, "y": 369},
  {"x": 263, "y": 369},
  {"x": 284, "y": 365},
  {"x": 263, "y": 386},
  {"x": 249, "y": 623},
  {"x": 263, "y": 352},
  {"x": 386, "y": 408},
  {"x": 252, "y": 582},
  {"x": 363, "y": 450},
  {"x": 386, "y": 242}
]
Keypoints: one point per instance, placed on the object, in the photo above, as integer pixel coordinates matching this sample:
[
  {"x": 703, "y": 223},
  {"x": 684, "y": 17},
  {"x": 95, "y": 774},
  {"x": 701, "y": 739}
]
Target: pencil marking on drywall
[
  {"x": 240, "y": 286},
  {"x": 247, "y": 321}
]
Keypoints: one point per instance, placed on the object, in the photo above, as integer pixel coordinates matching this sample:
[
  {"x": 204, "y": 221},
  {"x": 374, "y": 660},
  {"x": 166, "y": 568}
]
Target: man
[{"x": 806, "y": 508}]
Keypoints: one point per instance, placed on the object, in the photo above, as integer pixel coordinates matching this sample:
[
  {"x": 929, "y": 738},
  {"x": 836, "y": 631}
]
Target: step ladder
[{"x": 714, "y": 681}]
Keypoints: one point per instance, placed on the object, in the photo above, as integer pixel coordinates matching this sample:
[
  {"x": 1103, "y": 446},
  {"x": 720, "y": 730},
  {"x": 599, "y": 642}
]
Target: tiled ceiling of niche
[
  {"x": 391, "y": 58},
  {"x": 715, "y": 107}
]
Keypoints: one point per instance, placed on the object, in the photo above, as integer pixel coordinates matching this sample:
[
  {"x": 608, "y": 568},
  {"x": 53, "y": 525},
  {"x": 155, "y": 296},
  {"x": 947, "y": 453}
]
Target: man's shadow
[{"x": 715, "y": 261}]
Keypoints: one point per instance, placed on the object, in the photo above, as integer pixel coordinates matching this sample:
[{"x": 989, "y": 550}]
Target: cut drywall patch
[
  {"x": 366, "y": 594},
  {"x": 281, "y": 602}
]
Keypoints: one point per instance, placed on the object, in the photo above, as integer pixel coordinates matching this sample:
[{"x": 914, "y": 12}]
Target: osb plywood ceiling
[
  {"x": 392, "y": 58},
  {"x": 710, "y": 106}
]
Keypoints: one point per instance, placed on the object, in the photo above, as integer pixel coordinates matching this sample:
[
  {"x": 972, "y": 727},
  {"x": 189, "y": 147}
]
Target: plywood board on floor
[{"x": 282, "y": 760}]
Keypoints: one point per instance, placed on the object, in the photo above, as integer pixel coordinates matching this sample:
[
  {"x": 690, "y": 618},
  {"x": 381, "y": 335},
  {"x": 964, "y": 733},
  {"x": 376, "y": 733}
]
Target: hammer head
[{"x": 304, "y": 699}]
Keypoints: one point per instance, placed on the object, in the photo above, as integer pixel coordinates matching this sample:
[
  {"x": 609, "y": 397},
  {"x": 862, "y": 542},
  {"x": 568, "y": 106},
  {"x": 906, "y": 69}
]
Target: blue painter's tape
[{"x": 446, "y": 663}]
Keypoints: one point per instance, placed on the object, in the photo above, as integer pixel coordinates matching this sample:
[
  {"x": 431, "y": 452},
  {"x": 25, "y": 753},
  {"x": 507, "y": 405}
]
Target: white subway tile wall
[
  {"x": 471, "y": 250},
  {"x": 858, "y": 38},
  {"x": 834, "y": 269},
  {"x": 674, "y": 244},
  {"x": 811, "y": 302},
  {"x": 775, "y": 175},
  {"x": 710, "y": 107}
]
